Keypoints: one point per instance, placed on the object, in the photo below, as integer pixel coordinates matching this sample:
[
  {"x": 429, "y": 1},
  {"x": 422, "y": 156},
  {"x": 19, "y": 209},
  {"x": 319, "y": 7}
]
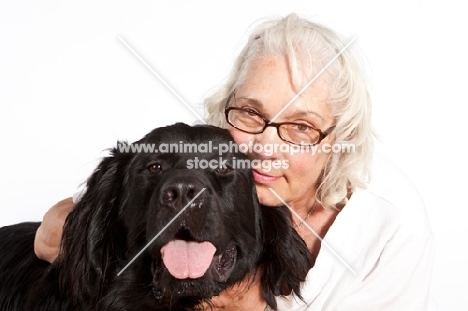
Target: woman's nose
[{"x": 266, "y": 141}]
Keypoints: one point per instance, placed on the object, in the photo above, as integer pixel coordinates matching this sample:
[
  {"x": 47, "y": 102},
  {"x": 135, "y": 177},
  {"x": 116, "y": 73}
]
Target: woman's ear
[{"x": 285, "y": 260}]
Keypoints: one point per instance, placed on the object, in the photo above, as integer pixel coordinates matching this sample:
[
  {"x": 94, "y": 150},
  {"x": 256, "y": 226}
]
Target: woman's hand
[
  {"x": 49, "y": 233},
  {"x": 243, "y": 296}
]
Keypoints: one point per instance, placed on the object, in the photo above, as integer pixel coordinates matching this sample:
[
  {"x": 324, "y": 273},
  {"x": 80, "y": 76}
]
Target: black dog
[{"x": 218, "y": 239}]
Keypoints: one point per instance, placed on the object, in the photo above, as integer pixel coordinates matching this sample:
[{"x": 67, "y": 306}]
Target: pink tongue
[{"x": 187, "y": 259}]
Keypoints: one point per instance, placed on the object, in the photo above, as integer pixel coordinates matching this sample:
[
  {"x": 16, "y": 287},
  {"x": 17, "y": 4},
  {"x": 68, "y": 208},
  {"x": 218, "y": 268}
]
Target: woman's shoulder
[
  {"x": 378, "y": 233},
  {"x": 390, "y": 190}
]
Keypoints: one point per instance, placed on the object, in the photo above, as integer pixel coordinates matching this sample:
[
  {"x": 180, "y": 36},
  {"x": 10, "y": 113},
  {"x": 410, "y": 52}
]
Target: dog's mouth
[{"x": 192, "y": 260}]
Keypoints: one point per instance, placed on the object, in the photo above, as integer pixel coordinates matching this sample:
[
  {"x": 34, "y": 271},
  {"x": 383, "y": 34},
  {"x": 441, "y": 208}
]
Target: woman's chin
[{"x": 268, "y": 197}]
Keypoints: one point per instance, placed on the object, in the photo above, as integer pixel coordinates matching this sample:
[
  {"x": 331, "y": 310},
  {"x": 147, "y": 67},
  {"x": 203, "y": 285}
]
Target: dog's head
[{"x": 172, "y": 220}]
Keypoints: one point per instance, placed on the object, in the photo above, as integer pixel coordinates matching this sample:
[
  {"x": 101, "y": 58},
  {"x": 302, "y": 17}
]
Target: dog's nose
[{"x": 178, "y": 193}]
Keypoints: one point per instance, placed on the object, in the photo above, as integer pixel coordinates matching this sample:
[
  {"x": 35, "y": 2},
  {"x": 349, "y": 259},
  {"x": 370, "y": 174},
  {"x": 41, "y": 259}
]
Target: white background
[{"x": 69, "y": 88}]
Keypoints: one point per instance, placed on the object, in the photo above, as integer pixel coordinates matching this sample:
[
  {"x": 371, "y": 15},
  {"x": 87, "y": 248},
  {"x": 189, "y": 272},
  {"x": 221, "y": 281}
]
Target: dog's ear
[
  {"x": 92, "y": 232},
  {"x": 286, "y": 259}
]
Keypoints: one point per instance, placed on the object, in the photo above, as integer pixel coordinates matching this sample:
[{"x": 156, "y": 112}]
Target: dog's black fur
[{"x": 129, "y": 199}]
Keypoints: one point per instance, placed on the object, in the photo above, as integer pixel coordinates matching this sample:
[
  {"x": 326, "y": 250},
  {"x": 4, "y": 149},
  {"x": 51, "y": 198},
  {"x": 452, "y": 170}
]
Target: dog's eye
[
  {"x": 154, "y": 168},
  {"x": 223, "y": 169}
]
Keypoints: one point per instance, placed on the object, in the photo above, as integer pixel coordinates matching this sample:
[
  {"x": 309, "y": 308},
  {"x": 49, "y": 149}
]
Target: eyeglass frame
[{"x": 268, "y": 123}]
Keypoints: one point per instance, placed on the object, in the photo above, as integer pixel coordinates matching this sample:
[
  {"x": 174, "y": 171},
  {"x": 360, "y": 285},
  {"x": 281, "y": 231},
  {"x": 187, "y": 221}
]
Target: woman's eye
[
  {"x": 154, "y": 168},
  {"x": 302, "y": 127},
  {"x": 250, "y": 112}
]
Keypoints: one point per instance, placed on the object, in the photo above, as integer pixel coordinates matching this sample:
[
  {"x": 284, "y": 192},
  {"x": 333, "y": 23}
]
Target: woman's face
[{"x": 267, "y": 90}]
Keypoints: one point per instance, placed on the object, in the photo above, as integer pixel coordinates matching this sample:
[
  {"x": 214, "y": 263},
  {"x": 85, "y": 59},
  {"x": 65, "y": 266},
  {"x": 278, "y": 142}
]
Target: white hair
[{"x": 308, "y": 47}]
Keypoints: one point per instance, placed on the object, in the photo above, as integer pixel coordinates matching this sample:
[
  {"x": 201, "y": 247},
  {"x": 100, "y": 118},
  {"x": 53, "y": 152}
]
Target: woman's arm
[{"x": 49, "y": 233}]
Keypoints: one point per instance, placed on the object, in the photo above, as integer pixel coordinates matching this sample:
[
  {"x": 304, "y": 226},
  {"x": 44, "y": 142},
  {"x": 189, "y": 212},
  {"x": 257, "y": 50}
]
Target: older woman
[{"x": 296, "y": 83}]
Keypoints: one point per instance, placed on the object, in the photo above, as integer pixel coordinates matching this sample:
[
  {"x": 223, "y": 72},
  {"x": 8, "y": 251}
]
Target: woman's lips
[{"x": 263, "y": 179}]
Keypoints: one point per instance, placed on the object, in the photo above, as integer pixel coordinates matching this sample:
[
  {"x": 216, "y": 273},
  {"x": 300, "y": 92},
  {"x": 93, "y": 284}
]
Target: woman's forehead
[{"x": 268, "y": 87}]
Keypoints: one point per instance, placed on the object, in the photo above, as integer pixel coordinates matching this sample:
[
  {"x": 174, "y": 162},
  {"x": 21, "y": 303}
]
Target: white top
[{"x": 379, "y": 254}]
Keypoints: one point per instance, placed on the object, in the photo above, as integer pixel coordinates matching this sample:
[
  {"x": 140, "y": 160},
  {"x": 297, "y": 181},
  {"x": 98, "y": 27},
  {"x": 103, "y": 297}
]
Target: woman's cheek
[{"x": 239, "y": 137}]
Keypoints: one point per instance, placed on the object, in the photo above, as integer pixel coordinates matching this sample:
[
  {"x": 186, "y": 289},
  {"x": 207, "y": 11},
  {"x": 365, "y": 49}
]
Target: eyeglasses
[{"x": 249, "y": 121}]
